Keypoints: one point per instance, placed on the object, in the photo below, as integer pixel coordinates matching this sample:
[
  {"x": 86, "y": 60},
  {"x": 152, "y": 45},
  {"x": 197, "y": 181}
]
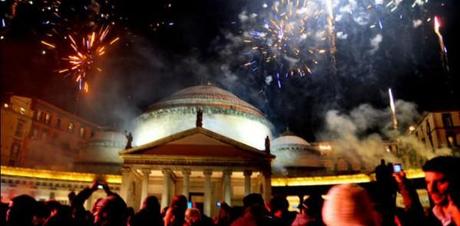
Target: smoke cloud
[{"x": 365, "y": 135}]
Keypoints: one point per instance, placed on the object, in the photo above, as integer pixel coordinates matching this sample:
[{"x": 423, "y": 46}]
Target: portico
[{"x": 204, "y": 166}]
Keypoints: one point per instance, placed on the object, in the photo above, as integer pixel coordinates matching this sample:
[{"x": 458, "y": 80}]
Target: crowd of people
[{"x": 344, "y": 205}]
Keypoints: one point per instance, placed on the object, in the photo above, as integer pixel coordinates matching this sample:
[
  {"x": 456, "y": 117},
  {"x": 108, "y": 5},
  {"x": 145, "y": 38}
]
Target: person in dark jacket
[
  {"x": 149, "y": 215},
  {"x": 21, "y": 211}
]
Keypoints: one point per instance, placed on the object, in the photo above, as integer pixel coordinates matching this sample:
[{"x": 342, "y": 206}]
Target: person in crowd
[
  {"x": 453, "y": 208},
  {"x": 81, "y": 216},
  {"x": 111, "y": 211},
  {"x": 3, "y": 209},
  {"x": 225, "y": 215},
  {"x": 385, "y": 192},
  {"x": 193, "y": 217},
  {"x": 149, "y": 213},
  {"x": 255, "y": 213},
  {"x": 41, "y": 213},
  {"x": 175, "y": 214},
  {"x": 349, "y": 204},
  {"x": 310, "y": 211},
  {"x": 21, "y": 211},
  {"x": 412, "y": 213},
  {"x": 440, "y": 174},
  {"x": 279, "y": 211},
  {"x": 60, "y": 215}
]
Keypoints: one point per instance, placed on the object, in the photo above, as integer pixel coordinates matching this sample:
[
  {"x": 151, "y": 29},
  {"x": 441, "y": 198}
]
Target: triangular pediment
[{"x": 196, "y": 142}]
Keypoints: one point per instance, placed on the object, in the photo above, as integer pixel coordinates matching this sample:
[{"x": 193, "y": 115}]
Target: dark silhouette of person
[
  {"x": 175, "y": 215},
  {"x": 60, "y": 215},
  {"x": 149, "y": 215},
  {"x": 279, "y": 211},
  {"x": 255, "y": 213},
  {"x": 3, "y": 209},
  {"x": 112, "y": 211},
  {"x": 224, "y": 217},
  {"x": 21, "y": 211},
  {"x": 385, "y": 192},
  {"x": 310, "y": 211}
]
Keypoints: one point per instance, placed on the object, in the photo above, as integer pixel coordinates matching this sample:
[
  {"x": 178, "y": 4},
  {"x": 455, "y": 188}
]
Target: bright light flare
[
  {"x": 393, "y": 110},
  {"x": 443, "y": 49}
]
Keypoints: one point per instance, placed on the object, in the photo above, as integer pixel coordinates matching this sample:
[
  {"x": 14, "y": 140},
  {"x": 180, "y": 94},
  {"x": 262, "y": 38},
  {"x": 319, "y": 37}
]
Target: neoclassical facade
[{"x": 203, "y": 165}]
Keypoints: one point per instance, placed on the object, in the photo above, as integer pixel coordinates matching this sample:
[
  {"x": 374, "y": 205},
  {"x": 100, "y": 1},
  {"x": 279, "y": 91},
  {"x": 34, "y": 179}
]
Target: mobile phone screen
[{"x": 397, "y": 168}]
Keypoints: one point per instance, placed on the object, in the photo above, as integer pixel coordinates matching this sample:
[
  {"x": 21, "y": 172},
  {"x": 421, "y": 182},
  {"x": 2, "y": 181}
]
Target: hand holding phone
[{"x": 397, "y": 167}]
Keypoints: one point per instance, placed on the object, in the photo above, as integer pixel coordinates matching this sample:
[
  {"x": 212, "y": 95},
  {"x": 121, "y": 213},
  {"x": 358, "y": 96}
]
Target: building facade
[
  {"x": 33, "y": 129},
  {"x": 438, "y": 130}
]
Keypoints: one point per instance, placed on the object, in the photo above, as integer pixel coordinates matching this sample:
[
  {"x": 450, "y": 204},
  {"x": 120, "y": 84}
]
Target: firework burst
[
  {"x": 300, "y": 37},
  {"x": 284, "y": 43},
  {"x": 82, "y": 62}
]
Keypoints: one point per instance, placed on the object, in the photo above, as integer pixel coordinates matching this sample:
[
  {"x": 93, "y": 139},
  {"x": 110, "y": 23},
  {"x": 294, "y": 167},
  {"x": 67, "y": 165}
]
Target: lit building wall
[
  {"x": 16, "y": 121},
  {"x": 48, "y": 184},
  {"x": 33, "y": 129},
  {"x": 439, "y": 130}
]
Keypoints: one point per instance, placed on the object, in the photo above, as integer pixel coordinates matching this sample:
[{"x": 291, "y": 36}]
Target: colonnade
[{"x": 168, "y": 184}]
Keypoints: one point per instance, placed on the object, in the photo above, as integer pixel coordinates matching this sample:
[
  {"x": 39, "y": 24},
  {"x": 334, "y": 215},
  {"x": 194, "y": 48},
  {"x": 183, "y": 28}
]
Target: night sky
[{"x": 165, "y": 46}]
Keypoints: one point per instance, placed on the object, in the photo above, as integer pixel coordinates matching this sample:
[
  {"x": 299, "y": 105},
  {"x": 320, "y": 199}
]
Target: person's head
[
  {"x": 151, "y": 203},
  {"x": 440, "y": 173},
  {"x": 312, "y": 205},
  {"x": 253, "y": 199},
  {"x": 179, "y": 202},
  {"x": 42, "y": 212},
  {"x": 279, "y": 204},
  {"x": 192, "y": 215},
  {"x": 111, "y": 211},
  {"x": 21, "y": 210},
  {"x": 53, "y": 206},
  {"x": 254, "y": 203},
  {"x": 349, "y": 204},
  {"x": 225, "y": 212}
]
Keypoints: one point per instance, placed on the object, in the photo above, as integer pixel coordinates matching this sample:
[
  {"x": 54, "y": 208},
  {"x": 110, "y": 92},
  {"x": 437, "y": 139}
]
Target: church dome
[
  {"x": 223, "y": 113},
  {"x": 293, "y": 151}
]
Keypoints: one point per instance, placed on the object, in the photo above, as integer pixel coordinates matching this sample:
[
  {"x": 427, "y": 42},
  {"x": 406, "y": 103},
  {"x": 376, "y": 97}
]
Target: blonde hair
[{"x": 349, "y": 205}]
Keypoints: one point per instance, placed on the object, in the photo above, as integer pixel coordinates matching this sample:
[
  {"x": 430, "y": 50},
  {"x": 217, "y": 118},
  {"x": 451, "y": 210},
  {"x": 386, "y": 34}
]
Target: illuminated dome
[
  {"x": 294, "y": 156},
  {"x": 223, "y": 113}
]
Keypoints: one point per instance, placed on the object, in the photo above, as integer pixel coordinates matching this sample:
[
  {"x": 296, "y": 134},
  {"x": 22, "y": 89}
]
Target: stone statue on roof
[
  {"x": 199, "y": 118},
  {"x": 129, "y": 138}
]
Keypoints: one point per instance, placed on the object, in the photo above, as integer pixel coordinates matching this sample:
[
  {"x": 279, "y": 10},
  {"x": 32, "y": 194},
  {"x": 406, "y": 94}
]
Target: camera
[{"x": 397, "y": 168}]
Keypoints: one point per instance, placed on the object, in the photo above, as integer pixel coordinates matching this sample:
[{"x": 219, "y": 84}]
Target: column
[
  {"x": 247, "y": 182},
  {"x": 267, "y": 183},
  {"x": 125, "y": 182},
  {"x": 186, "y": 186},
  {"x": 207, "y": 192},
  {"x": 145, "y": 184},
  {"x": 227, "y": 182},
  {"x": 165, "y": 196}
]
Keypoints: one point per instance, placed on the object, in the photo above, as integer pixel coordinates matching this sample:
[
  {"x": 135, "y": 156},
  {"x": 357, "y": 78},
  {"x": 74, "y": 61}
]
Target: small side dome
[
  {"x": 294, "y": 156},
  {"x": 289, "y": 140},
  {"x": 101, "y": 152}
]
